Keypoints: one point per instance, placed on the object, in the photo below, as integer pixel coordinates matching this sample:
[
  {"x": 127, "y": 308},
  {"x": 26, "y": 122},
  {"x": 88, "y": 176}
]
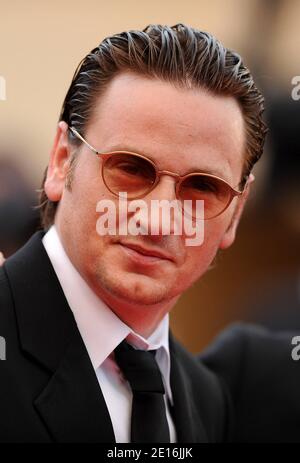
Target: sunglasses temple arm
[{"x": 77, "y": 134}]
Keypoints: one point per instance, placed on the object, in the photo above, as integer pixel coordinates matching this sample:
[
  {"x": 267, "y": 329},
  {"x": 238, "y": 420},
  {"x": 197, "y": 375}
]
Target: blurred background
[{"x": 41, "y": 43}]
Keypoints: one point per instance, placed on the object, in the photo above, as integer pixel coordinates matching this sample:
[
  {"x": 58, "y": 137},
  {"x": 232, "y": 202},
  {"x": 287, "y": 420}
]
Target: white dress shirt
[{"x": 102, "y": 331}]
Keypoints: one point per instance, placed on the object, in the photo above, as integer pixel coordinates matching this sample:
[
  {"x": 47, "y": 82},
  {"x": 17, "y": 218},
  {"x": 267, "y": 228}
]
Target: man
[
  {"x": 165, "y": 114},
  {"x": 261, "y": 371}
]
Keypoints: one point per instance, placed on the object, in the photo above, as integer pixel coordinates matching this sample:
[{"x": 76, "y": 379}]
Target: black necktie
[{"x": 148, "y": 418}]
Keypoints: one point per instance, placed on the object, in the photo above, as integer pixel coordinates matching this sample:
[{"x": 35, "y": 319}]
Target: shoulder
[
  {"x": 262, "y": 379},
  {"x": 6, "y": 302},
  {"x": 194, "y": 368},
  {"x": 206, "y": 390},
  {"x": 8, "y": 329},
  {"x": 250, "y": 347}
]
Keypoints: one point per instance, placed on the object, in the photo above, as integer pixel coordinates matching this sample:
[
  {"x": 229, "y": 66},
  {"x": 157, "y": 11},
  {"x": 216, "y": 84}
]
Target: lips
[{"x": 151, "y": 252}]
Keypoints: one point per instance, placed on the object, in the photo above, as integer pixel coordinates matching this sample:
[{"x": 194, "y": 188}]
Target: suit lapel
[
  {"x": 188, "y": 424},
  {"x": 71, "y": 405}
]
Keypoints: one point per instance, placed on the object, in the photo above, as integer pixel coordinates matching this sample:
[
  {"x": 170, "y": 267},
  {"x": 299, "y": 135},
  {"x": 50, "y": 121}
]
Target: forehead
[{"x": 181, "y": 129}]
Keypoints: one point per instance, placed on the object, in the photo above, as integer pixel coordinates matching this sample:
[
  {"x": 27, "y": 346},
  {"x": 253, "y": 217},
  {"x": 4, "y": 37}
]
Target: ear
[
  {"x": 229, "y": 235},
  {"x": 59, "y": 162}
]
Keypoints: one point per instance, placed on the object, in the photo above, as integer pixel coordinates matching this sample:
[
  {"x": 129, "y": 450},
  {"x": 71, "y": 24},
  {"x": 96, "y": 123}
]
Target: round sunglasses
[{"x": 137, "y": 175}]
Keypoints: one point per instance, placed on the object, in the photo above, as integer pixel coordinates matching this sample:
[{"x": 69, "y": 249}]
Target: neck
[{"x": 143, "y": 320}]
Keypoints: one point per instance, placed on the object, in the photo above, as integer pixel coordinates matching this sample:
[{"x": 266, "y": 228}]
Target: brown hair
[{"x": 180, "y": 55}]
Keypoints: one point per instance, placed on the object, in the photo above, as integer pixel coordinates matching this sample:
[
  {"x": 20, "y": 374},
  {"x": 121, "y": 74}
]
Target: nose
[
  {"x": 165, "y": 189},
  {"x": 164, "y": 212}
]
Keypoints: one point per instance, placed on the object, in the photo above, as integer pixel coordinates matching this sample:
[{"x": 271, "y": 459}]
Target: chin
[{"x": 131, "y": 288}]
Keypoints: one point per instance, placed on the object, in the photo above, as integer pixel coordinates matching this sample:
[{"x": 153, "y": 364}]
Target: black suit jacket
[
  {"x": 263, "y": 379},
  {"x": 49, "y": 391}
]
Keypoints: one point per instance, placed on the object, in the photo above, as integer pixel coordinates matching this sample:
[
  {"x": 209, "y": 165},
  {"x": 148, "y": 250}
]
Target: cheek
[
  {"x": 87, "y": 189},
  {"x": 199, "y": 258},
  {"x": 196, "y": 264},
  {"x": 78, "y": 215}
]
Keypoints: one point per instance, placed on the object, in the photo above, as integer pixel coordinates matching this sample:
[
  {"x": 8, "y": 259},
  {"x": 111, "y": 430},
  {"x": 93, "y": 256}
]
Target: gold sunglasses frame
[{"x": 179, "y": 178}]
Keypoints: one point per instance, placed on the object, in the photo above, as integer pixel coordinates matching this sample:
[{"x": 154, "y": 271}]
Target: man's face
[{"x": 181, "y": 130}]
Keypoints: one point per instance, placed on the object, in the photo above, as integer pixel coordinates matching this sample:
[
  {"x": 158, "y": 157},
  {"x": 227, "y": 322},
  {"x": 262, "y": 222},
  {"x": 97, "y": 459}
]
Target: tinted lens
[
  {"x": 130, "y": 173},
  {"x": 215, "y": 193}
]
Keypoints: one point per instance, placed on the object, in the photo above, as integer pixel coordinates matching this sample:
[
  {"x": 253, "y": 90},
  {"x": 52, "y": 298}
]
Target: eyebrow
[{"x": 191, "y": 170}]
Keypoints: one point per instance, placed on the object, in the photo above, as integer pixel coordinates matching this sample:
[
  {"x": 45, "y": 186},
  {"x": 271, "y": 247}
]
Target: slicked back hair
[{"x": 181, "y": 55}]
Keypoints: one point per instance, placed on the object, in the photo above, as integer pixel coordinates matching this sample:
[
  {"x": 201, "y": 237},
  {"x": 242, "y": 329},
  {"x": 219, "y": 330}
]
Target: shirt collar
[{"x": 101, "y": 330}]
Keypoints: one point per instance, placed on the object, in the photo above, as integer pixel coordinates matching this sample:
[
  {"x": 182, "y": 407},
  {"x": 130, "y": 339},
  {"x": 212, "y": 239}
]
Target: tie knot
[{"x": 139, "y": 368}]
